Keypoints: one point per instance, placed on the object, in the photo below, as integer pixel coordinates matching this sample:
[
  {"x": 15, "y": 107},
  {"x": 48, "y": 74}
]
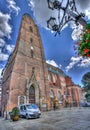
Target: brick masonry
[{"x": 27, "y": 67}]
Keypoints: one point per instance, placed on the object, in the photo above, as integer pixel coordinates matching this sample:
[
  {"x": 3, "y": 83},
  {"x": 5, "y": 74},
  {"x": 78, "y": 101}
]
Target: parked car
[
  {"x": 29, "y": 111},
  {"x": 85, "y": 104},
  {"x": 88, "y": 104}
]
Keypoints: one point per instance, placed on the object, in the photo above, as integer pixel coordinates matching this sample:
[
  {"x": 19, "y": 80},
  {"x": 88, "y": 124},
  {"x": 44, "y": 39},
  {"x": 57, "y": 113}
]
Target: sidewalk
[{"x": 64, "y": 119}]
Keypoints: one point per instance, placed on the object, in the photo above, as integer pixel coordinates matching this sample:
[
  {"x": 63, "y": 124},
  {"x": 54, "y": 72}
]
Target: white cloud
[
  {"x": 3, "y": 57},
  {"x": 0, "y": 72},
  {"x": 1, "y": 65},
  {"x": 73, "y": 62},
  {"x": 52, "y": 62},
  {"x": 87, "y": 12},
  {"x": 31, "y": 4},
  {"x": 41, "y": 11},
  {"x": 2, "y": 42},
  {"x": 5, "y": 31},
  {"x": 5, "y": 28},
  {"x": 79, "y": 62},
  {"x": 60, "y": 66},
  {"x": 84, "y": 63},
  {"x": 13, "y": 7},
  {"x": 82, "y": 5},
  {"x": 10, "y": 48},
  {"x": 77, "y": 32}
]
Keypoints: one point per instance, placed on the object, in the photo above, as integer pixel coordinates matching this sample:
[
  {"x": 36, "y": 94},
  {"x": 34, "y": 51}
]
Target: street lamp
[
  {"x": 54, "y": 4},
  {"x": 52, "y": 24},
  {"x": 70, "y": 13}
]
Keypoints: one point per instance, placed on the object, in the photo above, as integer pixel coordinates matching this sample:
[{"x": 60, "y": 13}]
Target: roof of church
[{"x": 55, "y": 70}]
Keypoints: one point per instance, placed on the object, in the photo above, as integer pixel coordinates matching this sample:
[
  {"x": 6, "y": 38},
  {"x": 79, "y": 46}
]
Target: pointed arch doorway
[{"x": 32, "y": 94}]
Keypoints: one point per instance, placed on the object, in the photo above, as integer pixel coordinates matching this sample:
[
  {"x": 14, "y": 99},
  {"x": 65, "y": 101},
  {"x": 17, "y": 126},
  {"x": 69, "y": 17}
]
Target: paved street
[{"x": 64, "y": 119}]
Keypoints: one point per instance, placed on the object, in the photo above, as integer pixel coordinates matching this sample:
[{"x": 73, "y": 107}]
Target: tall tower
[{"x": 26, "y": 68}]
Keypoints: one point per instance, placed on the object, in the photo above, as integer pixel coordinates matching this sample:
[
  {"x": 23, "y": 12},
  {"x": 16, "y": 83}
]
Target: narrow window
[
  {"x": 32, "y": 48},
  {"x": 32, "y": 52},
  {"x": 31, "y": 29},
  {"x": 31, "y": 40}
]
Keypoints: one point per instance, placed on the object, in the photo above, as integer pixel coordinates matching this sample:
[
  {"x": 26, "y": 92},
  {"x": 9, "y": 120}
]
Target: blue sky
[{"x": 59, "y": 50}]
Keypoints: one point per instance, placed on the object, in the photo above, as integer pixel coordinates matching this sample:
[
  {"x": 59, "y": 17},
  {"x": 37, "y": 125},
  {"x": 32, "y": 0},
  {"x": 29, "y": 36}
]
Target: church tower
[{"x": 27, "y": 69}]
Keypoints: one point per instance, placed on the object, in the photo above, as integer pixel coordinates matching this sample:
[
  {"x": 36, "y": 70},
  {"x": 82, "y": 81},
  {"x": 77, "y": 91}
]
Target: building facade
[
  {"x": 27, "y": 78},
  {"x": 74, "y": 92}
]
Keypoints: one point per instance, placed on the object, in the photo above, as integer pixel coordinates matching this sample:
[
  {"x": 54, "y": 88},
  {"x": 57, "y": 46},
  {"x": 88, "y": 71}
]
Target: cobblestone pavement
[{"x": 64, "y": 119}]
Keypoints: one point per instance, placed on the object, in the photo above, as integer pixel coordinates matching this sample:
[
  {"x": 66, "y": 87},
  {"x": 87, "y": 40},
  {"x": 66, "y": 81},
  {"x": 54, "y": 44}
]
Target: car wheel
[
  {"x": 27, "y": 117},
  {"x": 21, "y": 116}
]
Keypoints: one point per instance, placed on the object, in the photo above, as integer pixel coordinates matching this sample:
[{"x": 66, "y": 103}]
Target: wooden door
[{"x": 32, "y": 94}]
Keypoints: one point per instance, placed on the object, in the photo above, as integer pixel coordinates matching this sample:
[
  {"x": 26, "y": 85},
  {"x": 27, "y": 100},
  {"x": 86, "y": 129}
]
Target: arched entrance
[{"x": 31, "y": 94}]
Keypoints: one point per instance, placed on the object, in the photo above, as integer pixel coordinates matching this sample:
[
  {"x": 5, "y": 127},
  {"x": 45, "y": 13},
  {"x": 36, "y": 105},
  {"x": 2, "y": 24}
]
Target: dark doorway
[{"x": 32, "y": 94}]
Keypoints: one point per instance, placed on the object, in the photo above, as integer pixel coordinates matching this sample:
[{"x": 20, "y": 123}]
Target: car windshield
[{"x": 31, "y": 106}]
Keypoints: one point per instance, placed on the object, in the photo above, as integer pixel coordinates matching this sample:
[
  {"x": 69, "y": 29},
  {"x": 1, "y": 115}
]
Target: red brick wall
[{"x": 18, "y": 70}]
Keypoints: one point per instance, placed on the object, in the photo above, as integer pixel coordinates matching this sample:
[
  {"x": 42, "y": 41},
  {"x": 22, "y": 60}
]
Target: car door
[{"x": 22, "y": 111}]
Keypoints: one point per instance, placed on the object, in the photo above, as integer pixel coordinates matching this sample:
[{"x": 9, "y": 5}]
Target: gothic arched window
[
  {"x": 59, "y": 95},
  {"x": 49, "y": 77},
  {"x": 54, "y": 78},
  {"x": 51, "y": 94}
]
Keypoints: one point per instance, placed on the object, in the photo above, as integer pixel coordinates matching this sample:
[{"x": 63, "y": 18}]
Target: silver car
[{"x": 29, "y": 111}]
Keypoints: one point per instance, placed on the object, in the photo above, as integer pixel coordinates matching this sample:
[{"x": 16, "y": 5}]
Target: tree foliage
[
  {"x": 84, "y": 43},
  {"x": 87, "y": 95},
  {"x": 86, "y": 81}
]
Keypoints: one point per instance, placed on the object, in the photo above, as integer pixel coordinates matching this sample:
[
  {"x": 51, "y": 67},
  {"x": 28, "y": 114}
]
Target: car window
[
  {"x": 21, "y": 108},
  {"x": 31, "y": 106},
  {"x": 24, "y": 108}
]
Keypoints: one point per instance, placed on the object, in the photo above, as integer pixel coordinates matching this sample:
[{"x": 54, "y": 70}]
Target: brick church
[{"x": 27, "y": 78}]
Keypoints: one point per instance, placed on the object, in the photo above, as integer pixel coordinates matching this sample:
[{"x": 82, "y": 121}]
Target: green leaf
[{"x": 88, "y": 26}]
